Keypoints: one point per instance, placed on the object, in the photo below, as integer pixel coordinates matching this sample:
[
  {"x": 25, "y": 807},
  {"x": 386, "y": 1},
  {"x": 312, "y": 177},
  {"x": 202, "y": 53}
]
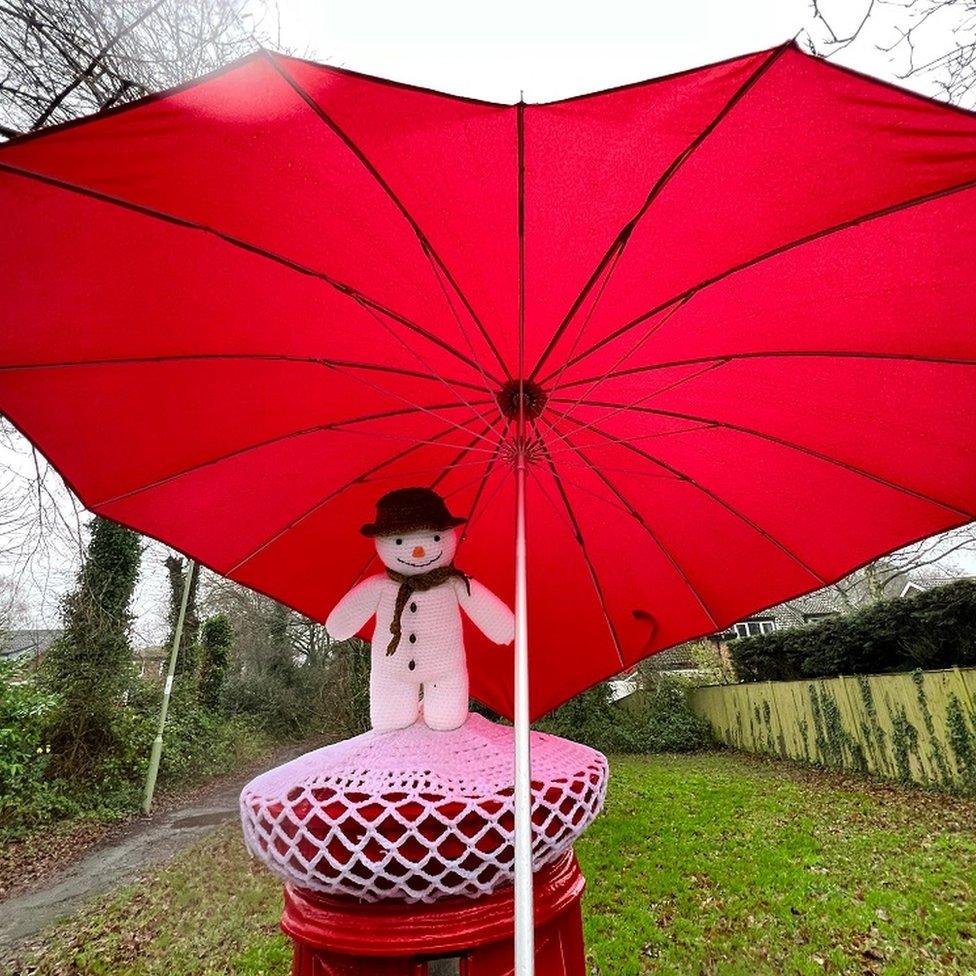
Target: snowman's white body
[{"x": 430, "y": 653}]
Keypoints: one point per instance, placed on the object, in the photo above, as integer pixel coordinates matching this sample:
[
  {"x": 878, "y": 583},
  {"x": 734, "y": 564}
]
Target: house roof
[
  {"x": 679, "y": 658},
  {"x": 15, "y": 644}
]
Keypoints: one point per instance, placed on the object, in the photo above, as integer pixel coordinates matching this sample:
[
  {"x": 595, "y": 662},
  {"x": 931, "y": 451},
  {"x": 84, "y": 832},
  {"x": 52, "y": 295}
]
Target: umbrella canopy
[{"x": 734, "y": 303}]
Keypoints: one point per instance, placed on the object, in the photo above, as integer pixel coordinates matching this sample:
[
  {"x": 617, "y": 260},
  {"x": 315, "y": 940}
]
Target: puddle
[{"x": 204, "y": 819}]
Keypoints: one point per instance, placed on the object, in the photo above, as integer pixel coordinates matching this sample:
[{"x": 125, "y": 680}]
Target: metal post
[
  {"x": 157, "y": 746},
  {"x": 524, "y": 915}
]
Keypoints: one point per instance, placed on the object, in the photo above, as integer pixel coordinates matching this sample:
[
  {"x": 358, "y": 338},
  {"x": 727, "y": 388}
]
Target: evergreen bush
[
  {"x": 216, "y": 640},
  {"x": 935, "y": 629},
  {"x": 90, "y": 666},
  {"x": 656, "y": 718}
]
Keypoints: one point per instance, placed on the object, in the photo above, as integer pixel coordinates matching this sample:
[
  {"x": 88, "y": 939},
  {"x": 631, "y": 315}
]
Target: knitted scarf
[{"x": 414, "y": 584}]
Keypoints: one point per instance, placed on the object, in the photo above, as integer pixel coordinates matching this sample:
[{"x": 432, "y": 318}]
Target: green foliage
[
  {"x": 216, "y": 640},
  {"x": 90, "y": 666},
  {"x": 326, "y": 695},
  {"x": 187, "y": 661},
  {"x": 25, "y": 711},
  {"x": 935, "y": 629},
  {"x": 712, "y": 863},
  {"x": 656, "y": 718},
  {"x": 198, "y": 743}
]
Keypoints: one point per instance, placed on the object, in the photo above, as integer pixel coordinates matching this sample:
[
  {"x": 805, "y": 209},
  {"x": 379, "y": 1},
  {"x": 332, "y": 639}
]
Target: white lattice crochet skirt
[{"x": 416, "y": 814}]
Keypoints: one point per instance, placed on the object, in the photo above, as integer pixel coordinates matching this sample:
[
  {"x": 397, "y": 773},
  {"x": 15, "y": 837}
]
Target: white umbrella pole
[{"x": 524, "y": 921}]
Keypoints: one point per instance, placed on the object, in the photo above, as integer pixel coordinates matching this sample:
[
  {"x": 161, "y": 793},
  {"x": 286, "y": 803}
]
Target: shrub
[
  {"x": 24, "y": 752},
  {"x": 325, "y": 696},
  {"x": 89, "y": 666},
  {"x": 658, "y": 719},
  {"x": 654, "y": 719},
  {"x": 216, "y": 640},
  {"x": 935, "y": 629}
]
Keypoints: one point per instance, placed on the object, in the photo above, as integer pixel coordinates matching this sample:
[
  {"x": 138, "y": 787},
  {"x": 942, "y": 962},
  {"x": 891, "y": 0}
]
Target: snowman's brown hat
[{"x": 410, "y": 510}]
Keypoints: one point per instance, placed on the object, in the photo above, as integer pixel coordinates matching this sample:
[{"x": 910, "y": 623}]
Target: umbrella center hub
[{"x": 525, "y": 393}]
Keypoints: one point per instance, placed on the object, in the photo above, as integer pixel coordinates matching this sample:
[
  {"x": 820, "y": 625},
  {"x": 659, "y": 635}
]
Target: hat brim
[{"x": 373, "y": 529}]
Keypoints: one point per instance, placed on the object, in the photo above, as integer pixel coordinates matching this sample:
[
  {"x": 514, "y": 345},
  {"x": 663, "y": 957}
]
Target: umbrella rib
[
  {"x": 361, "y": 478},
  {"x": 634, "y": 514},
  {"x": 166, "y": 217},
  {"x": 267, "y": 442},
  {"x": 473, "y": 516},
  {"x": 783, "y": 442},
  {"x": 578, "y": 532},
  {"x": 336, "y": 364},
  {"x": 681, "y": 475},
  {"x": 723, "y": 358},
  {"x": 339, "y": 366},
  {"x": 620, "y": 242},
  {"x": 368, "y": 165},
  {"x": 464, "y": 451},
  {"x": 767, "y": 255},
  {"x": 427, "y": 365}
]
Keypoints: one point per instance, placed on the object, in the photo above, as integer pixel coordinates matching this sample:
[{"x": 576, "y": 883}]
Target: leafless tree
[
  {"x": 926, "y": 45},
  {"x": 60, "y": 59},
  {"x": 63, "y": 58},
  {"x": 929, "y": 562}
]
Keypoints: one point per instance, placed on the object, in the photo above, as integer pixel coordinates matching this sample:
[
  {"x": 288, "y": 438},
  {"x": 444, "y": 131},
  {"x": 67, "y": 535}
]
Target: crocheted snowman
[{"x": 418, "y": 641}]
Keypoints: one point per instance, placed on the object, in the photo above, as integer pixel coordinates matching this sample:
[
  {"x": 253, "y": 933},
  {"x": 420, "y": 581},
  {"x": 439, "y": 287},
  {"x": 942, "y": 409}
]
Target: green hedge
[
  {"x": 932, "y": 630},
  {"x": 654, "y": 719}
]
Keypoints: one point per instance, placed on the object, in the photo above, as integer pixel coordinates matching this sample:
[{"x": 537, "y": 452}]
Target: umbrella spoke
[
  {"x": 783, "y": 442},
  {"x": 457, "y": 458},
  {"x": 153, "y": 213},
  {"x": 600, "y": 380},
  {"x": 632, "y": 511},
  {"x": 423, "y": 361},
  {"x": 362, "y": 477},
  {"x": 337, "y": 364},
  {"x": 578, "y": 533},
  {"x": 268, "y": 441},
  {"x": 473, "y": 513},
  {"x": 765, "y": 256},
  {"x": 425, "y": 243},
  {"x": 620, "y": 241},
  {"x": 683, "y": 476},
  {"x": 722, "y": 358}
]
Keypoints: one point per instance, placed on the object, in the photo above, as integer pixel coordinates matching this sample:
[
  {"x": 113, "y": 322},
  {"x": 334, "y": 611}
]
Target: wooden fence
[{"x": 918, "y": 727}]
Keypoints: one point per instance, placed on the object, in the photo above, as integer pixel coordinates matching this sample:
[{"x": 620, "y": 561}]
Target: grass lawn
[{"x": 710, "y": 864}]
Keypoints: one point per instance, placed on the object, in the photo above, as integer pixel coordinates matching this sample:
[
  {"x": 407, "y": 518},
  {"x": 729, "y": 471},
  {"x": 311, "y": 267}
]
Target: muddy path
[{"x": 127, "y": 851}]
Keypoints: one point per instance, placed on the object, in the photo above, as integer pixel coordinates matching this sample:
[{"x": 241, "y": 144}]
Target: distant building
[
  {"x": 26, "y": 645},
  {"x": 150, "y": 662},
  {"x": 794, "y": 613}
]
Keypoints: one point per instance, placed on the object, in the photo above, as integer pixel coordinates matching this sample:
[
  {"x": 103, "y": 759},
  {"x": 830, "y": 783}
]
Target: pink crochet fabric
[{"x": 417, "y": 815}]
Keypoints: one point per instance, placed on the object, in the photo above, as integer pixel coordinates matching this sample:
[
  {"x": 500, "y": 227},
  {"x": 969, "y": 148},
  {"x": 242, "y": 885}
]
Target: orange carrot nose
[{"x": 418, "y": 552}]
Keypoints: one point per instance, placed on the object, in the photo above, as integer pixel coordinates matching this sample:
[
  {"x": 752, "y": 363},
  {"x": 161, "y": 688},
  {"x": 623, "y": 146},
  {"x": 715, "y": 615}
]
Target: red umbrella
[{"x": 724, "y": 320}]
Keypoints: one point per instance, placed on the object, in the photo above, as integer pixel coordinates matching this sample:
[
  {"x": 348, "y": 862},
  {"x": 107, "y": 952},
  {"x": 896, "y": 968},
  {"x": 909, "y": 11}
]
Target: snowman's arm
[
  {"x": 487, "y": 612},
  {"x": 353, "y": 611}
]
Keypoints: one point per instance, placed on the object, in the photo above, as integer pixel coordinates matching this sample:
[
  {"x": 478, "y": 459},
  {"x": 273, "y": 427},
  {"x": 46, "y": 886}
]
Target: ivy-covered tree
[
  {"x": 188, "y": 660},
  {"x": 90, "y": 665},
  {"x": 216, "y": 639}
]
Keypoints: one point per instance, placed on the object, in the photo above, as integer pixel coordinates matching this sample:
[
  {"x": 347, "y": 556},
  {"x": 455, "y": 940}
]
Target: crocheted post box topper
[
  {"x": 418, "y": 815},
  {"x": 418, "y": 641}
]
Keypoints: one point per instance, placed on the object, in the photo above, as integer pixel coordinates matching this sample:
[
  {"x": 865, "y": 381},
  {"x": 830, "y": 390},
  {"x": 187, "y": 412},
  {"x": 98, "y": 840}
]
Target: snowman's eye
[
  {"x": 437, "y": 538},
  {"x": 399, "y": 542}
]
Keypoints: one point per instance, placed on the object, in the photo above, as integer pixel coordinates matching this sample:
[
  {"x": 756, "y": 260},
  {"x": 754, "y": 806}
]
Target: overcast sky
[
  {"x": 546, "y": 48},
  {"x": 500, "y": 50}
]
